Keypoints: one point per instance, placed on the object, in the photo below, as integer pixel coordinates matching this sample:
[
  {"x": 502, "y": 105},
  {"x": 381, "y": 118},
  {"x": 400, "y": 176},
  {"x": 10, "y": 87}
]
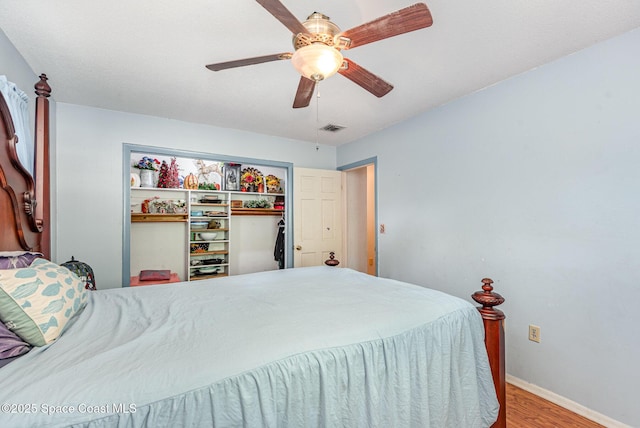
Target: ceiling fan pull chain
[{"x": 317, "y": 116}]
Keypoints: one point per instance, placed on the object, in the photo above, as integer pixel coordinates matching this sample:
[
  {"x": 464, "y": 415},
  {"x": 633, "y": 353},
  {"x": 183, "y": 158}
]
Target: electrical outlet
[{"x": 534, "y": 333}]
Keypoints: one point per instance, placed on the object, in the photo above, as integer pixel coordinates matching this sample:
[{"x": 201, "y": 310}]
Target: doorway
[{"x": 361, "y": 239}]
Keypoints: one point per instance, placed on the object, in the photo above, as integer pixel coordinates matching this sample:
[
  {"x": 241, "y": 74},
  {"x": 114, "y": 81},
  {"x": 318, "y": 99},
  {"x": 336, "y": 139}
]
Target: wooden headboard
[{"x": 25, "y": 200}]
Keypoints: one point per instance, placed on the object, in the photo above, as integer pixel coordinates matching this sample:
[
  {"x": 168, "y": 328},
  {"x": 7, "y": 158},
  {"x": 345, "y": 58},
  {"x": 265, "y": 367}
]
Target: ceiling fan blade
[
  {"x": 248, "y": 61},
  {"x": 402, "y": 21},
  {"x": 351, "y": 71},
  {"x": 304, "y": 92},
  {"x": 282, "y": 14},
  {"x": 365, "y": 78}
]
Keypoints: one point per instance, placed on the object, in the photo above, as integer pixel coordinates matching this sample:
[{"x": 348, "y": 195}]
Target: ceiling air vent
[{"x": 332, "y": 128}]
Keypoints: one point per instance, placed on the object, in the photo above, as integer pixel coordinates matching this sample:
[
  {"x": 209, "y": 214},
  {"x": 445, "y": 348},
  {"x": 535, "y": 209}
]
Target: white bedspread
[{"x": 308, "y": 347}]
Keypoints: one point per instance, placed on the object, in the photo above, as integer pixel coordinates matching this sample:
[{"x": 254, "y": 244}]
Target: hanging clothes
[{"x": 278, "y": 251}]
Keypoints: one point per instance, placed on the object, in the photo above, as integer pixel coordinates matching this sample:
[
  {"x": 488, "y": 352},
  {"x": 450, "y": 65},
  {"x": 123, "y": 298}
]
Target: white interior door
[{"x": 317, "y": 216}]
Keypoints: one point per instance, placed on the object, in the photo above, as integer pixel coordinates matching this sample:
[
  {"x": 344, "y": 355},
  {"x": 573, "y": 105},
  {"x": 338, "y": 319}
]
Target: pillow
[
  {"x": 17, "y": 259},
  {"x": 37, "y": 302},
  {"x": 155, "y": 275},
  {"x": 10, "y": 344}
]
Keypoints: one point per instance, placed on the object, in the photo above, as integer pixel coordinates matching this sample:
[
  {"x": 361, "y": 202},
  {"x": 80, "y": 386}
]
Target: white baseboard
[{"x": 566, "y": 403}]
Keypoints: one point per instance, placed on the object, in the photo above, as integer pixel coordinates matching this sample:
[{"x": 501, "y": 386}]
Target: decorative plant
[
  {"x": 147, "y": 163},
  {"x": 273, "y": 184},
  {"x": 251, "y": 178},
  {"x": 261, "y": 203},
  {"x": 163, "y": 175},
  {"x": 209, "y": 186},
  {"x": 168, "y": 176},
  {"x": 174, "y": 176}
]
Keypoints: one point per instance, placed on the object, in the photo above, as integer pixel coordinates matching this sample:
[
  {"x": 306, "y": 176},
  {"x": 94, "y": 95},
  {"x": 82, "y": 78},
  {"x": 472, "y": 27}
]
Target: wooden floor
[{"x": 527, "y": 410}]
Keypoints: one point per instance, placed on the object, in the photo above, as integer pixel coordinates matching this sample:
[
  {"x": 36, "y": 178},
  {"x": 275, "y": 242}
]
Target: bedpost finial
[
  {"x": 486, "y": 284},
  {"x": 42, "y": 87},
  {"x": 332, "y": 260},
  {"x": 487, "y": 298}
]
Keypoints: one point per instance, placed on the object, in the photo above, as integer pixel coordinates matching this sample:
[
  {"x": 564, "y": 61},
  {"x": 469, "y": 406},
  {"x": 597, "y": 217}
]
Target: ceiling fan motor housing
[{"x": 321, "y": 30}]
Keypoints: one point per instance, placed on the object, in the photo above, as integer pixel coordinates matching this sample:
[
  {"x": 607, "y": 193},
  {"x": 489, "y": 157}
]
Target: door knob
[{"x": 298, "y": 247}]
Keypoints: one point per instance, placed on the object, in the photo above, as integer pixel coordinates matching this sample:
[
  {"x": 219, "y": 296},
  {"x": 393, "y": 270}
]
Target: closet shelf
[
  {"x": 146, "y": 217},
  {"x": 208, "y": 253},
  {"x": 256, "y": 211},
  {"x": 200, "y": 277}
]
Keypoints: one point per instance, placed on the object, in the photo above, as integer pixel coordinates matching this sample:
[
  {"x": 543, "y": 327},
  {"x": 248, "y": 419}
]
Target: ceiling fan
[{"x": 318, "y": 43}]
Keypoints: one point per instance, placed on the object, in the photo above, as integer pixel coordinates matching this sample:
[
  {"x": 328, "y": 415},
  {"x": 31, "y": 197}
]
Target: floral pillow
[
  {"x": 37, "y": 302},
  {"x": 17, "y": 259}
]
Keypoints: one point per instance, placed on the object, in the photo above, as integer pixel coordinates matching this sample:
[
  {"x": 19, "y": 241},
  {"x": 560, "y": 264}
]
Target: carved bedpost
[
  {"x": 41, "y": 173},
  {"x": 494, "y": 342}
]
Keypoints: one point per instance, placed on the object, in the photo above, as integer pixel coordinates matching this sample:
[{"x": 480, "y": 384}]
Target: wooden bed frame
[
  {"x": 24, "y": 200},
  {"x": 25, "y": 224}
]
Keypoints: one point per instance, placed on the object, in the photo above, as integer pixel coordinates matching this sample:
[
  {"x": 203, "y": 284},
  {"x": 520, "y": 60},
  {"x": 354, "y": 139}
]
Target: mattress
[{"x": 304, "y": 347}]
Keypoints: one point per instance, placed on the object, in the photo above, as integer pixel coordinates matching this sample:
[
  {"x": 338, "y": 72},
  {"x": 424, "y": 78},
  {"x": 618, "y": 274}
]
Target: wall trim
[
  {"x": 372, "y": 160},
  {"x": 566, "y": 403}
]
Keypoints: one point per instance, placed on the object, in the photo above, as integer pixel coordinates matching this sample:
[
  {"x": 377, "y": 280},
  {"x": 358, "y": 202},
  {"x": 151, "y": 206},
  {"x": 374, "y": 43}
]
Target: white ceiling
[{"x": 149, "y": 56}]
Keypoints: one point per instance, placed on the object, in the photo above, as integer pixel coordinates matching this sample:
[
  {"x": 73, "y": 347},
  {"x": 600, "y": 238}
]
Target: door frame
[{"x": 355, "y": 165}]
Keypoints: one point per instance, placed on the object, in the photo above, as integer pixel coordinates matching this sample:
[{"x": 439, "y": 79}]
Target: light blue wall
[
  {"x": 533, "y": 182},
  {"x": 89, "y": 173}
]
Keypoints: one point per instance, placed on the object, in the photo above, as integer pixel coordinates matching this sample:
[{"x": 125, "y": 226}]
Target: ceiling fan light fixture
[{"x": 317, "y": 61}]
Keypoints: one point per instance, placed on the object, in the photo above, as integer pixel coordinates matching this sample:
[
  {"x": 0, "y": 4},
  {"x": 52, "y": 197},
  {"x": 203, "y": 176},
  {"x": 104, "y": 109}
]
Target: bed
[{"x": 320, "y": 346}]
